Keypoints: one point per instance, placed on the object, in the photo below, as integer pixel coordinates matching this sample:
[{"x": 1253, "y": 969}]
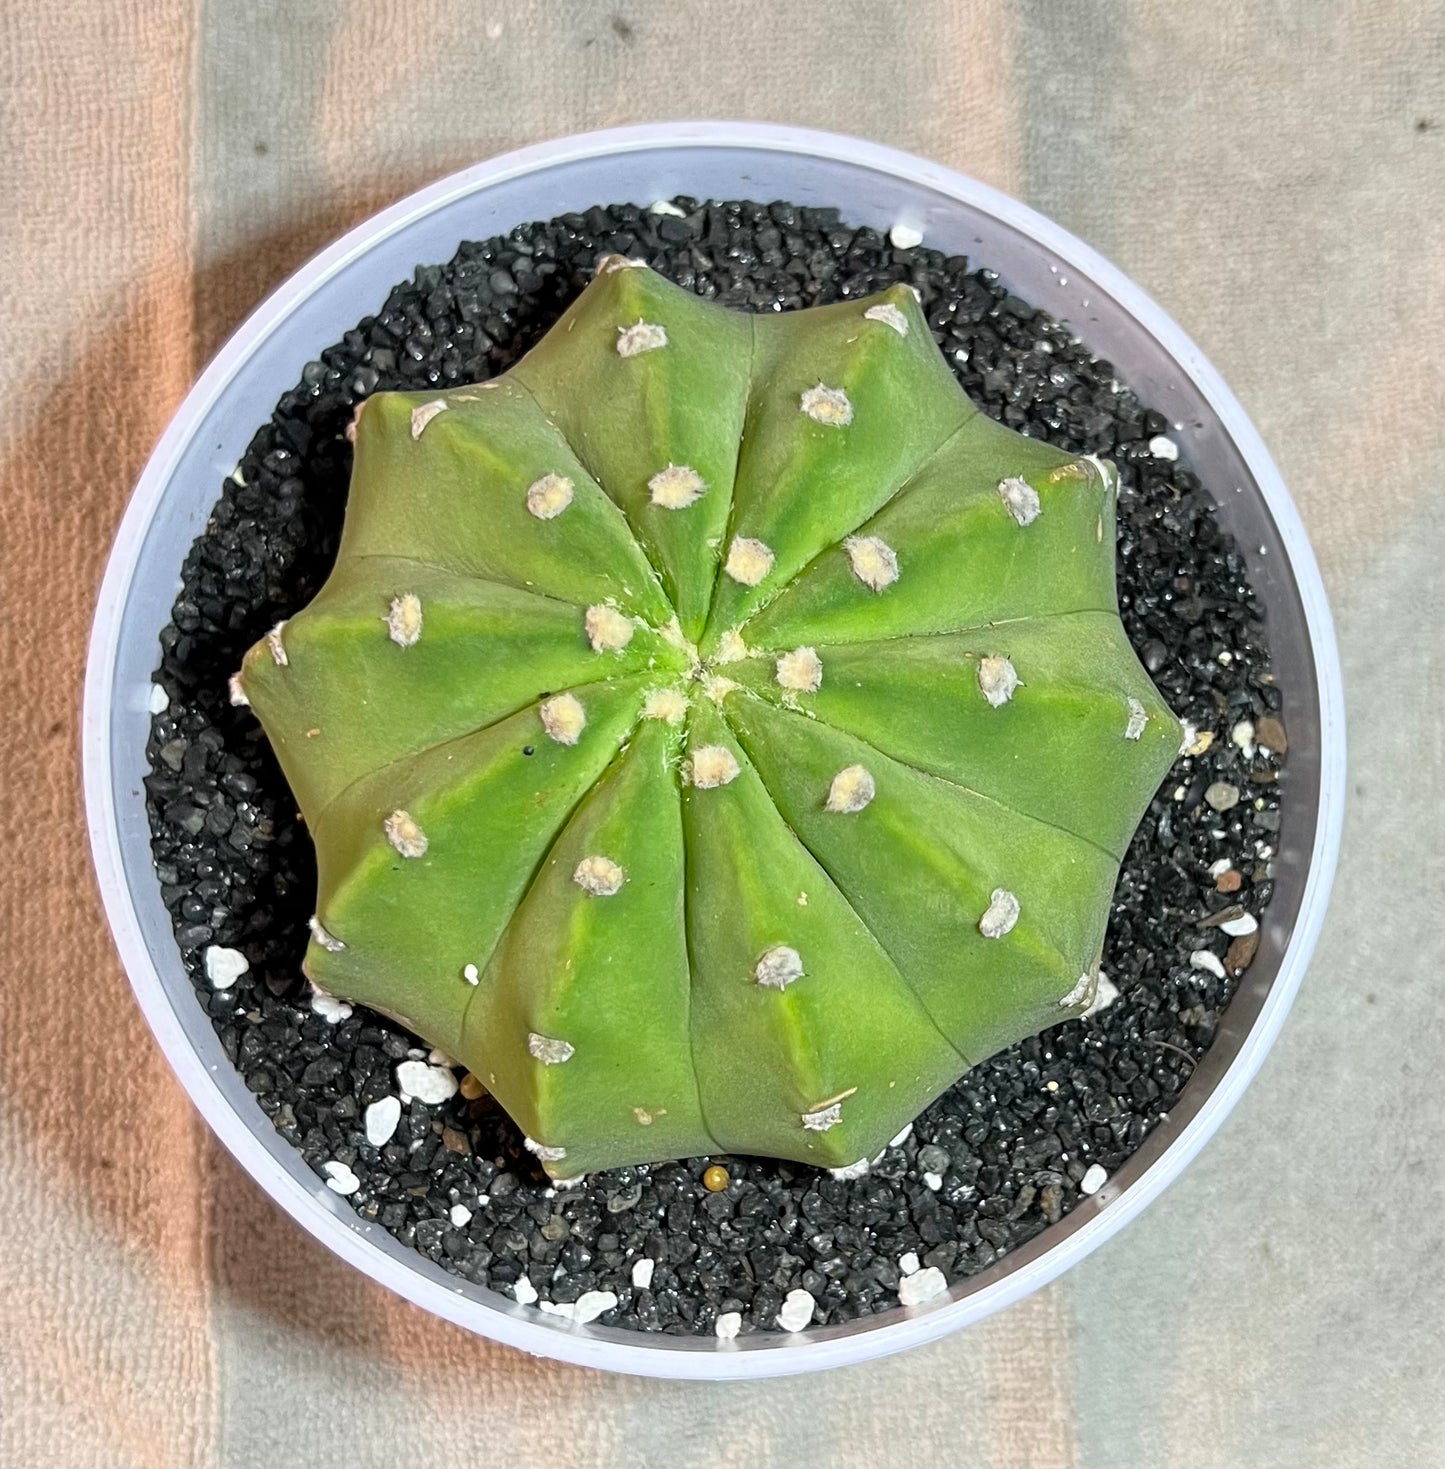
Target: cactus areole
[{"x": 716, "y": 732}]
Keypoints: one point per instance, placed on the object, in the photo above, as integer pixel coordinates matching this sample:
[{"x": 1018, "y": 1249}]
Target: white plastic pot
[{"x": 871, "y": 185}]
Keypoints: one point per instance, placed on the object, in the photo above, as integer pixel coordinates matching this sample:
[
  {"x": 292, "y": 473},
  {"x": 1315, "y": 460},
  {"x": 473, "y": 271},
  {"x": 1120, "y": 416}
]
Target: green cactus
[{"x": 716, "y": 732}]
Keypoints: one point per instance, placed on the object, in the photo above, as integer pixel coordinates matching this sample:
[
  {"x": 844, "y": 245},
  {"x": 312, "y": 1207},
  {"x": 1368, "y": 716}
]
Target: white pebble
[
  {"x": 902, "y": 1137},
  {"x": 850, "y": 1171},
  {"x": 908, "y": 1264},
  {"x": 1238, "y": 928},
  {"x": 422, "y": 1083},
  {"x": 905, "y": 236},
  {"x": 933, "y": 1181},
  {"x": 524, "y": 1292},
  {"x": 159, "y": 700},
  {"x": 642, "y": 1272},
  {"x": 460, "y": 1215},
  {"x": 225, "y": 966},
  {"x": 1104, "y": 996},
  {"x": 923, "y": 1285},
  {"x": 1095, "y": 1177},
  {"x": 328, "y": 1007},
  {"x": 797, "y": 1310},
  {"x": 381, "y": 1119},
  {"x": 340, "y": 1179},
  {"x": 1209, "y": 963},
  {"x": 729, "y": 1323},
  {"x": 1219, "y": 868},
  {"x": 591, "y": 1304},
  {"x": 1163, "y": 447},
  {"x": 1243, "y": 735},
  {"x": 666, "y": 206}
]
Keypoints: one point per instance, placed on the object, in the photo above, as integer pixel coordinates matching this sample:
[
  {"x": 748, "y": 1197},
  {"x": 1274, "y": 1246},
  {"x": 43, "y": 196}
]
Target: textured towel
[{"x": 1273, "y": 173}]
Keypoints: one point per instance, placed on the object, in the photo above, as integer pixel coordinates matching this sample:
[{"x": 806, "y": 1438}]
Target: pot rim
[{"x": 757, "y": 1355}]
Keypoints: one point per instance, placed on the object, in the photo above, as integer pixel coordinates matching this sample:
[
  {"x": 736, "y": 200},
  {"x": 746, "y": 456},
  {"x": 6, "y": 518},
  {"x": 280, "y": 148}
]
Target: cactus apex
[
  {"x": 549, "y": 1050},
  {"x": 778, "y": 967},
  {"x": 997, "y": 679},
  {"x": 549, "y": 496},
  {"x": 563, "y": 718},
  {"x": 404, "y": 834},
  {"x": 874, "y": 561},
  {"x": 829, "y": 406},
  {"x": 599, "y": 876},
  {"x": 676, "y": 487},
  {"x": 607, "y": 629},
  {"x": 749, "y": 560},
  {"x": 423, "y": 415},
  {"x": 801, "y": 670},
  {"x": 711, "y": 766},
  {"x": 889, "y": 315},
  {"x": 851, "y": 790},
  {"x": 668, "y": 705},
  {"x": 641, "y": 336},
  {"x": 404, "y": 620},
  {"x": 1138, "y": 719},
  {"x": 1000, "y": 915},
  {"x": 1020, "y": 499}
]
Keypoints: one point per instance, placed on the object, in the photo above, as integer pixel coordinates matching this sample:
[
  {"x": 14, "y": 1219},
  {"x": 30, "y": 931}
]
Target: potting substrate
[{"x": 722, "y": 1245}]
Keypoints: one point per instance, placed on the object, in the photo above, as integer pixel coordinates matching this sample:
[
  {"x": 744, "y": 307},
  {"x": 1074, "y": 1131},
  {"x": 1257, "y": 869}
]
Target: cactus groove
[{"x": 663, "y": 912}]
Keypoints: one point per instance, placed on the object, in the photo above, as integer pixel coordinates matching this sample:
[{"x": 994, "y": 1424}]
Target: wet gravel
[{"x": 995, "y": 1160}]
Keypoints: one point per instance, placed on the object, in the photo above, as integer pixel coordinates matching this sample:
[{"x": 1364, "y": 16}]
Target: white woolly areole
[
  {"x": 1020, "y": 499},
  {"x": 851, "y": 1170},
  {"x": 564, "y": 718},
  {"x": 238, "y": 694},
  {"x": 1138, "y": 718},
  {"x": 668, "y": 705},
  {"x": 611, "y": 263},
  {"x": 712, "y": 766},
  {"x": 327, "y": 941},
  {"x": 277, "y": 647},
  {"x": 676, "y": 487},
  {"x": 1000, "y": 915},
  {"x": 546, "y": 1154},
  {"x": 997, "y": 680},
  {"x": 607, "y": 629},
  {"x": 423, "y": 415},
  {"x": 641, "y": 336},
  {"x": 749, "y": 561},
  {"x": 549, "y": 496},
  {"x": 824, "y": 1117},
  {"x": 778, "y": 967},
  {"x": 851, "y": 790},
  {"x": 889, "y": 315},
  {"x": 716, "y": 687},
  {"x": 801, "y": 669},
  {"x": 548, "y": 1050},
  {"x": 829, "y": 406},
  {"x": 600, "y": 876},
  {"x": 874, "y": 561},
  {"x": 1082, "y": 993},
  {"x": 404, "y": 834},
  {"x": 730, "y": 647},
  {"x": 403, "y": 620}
]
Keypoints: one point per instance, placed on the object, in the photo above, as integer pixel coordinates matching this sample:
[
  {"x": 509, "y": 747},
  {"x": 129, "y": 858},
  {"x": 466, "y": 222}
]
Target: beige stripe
[{"x": 103, "y": 1298}]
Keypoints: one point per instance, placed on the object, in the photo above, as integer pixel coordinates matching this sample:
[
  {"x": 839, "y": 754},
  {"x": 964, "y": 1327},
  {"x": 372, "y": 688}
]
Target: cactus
[{"x": 715, "y": 732}]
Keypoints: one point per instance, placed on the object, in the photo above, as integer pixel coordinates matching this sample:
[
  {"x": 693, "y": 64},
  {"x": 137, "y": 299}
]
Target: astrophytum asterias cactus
[{"x": 716, "y": 732}]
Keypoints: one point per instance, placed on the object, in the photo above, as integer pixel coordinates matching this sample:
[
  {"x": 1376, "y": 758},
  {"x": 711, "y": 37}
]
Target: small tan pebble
[
  {"x": 1240, "y": 954},
  {"x": 873, "y": 561},
  {"x": 715, "y": 1179},
  {"x": 456, "y": 1142},
  {"x": 404, "y": 620},
  {"x": 405, "y": 835},
  {"x": 829, "y": 406},
  {"x": 1203, "y": 739},
  {"x": 472, "y": 1088},
  {"x": 997, "y": 680},
  {"x": 641, "y": 336},
  {"x": 1225, "y": 915},
  {"x": 1222, "y": 796},
  {"x": 1228, "y": 882},
  {"x": 1269, "y": 735},
  {"x": 607, "y": 629},
  {"x": 711, "y": 766}
]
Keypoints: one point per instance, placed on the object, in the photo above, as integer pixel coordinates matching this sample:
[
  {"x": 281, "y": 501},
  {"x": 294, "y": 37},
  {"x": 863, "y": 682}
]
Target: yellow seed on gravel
[{"x": 715, "y": 1179}]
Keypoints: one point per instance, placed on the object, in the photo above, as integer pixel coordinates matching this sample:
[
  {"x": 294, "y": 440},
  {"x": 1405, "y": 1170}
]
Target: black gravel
[{"x": 1006, "y": 1147}]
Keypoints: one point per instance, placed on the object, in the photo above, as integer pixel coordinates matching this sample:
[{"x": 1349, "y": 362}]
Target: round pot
[{"x": 872, "y": 185}]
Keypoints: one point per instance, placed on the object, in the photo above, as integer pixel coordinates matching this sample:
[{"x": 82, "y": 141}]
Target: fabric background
[{"x": 1273, "y": 173}]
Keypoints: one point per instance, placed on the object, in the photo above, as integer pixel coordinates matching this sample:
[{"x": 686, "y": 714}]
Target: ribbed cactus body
[{"x": 715, "y": 732}]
